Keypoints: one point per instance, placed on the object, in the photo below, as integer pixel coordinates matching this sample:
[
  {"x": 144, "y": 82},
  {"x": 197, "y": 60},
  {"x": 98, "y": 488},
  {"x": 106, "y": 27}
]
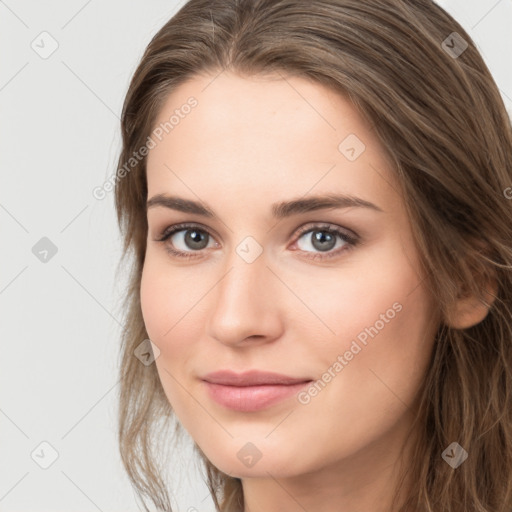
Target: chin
[{"x": 279, "y": 464}]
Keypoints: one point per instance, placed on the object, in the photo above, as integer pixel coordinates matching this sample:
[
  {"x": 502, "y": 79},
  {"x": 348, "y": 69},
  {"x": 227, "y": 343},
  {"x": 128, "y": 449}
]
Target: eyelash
[{"x": 351, "y": 241}]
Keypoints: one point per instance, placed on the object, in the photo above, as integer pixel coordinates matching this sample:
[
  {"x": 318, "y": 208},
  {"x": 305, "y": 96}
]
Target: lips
[
  {"x": 252, "y": 378},
  {"x": 253, "y": 390}
]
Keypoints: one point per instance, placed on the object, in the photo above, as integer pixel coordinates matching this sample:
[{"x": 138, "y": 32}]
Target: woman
[{"x": 316, "y": 206}]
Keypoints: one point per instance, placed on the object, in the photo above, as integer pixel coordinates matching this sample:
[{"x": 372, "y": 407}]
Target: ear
[{"x": 469, "y": 309}]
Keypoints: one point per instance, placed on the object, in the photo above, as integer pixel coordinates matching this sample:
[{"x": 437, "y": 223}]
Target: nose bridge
[{"x": 241, "y": 302}]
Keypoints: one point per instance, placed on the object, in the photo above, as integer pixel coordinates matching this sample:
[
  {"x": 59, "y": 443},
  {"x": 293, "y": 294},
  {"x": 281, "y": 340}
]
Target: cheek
[
  {"x": 172, "y": 304},
  {"x": 168, "y": 297},
  {"x": 165, "y": 301},
  {"x": 384, "y": 359},
  {"x": 377, "y": 291},
  {"x": 383, "y": 324},
  {"x": 154, "y": 299},
  {"x": 392, "y": 340}
]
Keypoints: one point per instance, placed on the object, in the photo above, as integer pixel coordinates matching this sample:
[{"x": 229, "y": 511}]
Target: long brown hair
[{"x": 414, "y": 72}]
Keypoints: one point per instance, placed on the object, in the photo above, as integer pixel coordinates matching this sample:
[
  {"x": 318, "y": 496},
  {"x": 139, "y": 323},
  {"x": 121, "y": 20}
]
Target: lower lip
[{"x": 252, "y": 398}]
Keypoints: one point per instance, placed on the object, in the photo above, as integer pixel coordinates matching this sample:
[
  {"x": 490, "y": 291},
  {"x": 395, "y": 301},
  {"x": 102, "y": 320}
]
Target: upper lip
[{"x": 251, "y": 378}]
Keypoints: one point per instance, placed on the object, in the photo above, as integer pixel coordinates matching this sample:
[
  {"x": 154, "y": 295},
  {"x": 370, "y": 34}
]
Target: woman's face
[{"x": 280, "y": 278}]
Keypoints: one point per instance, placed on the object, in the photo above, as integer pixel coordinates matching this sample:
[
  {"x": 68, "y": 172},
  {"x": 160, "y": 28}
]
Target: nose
[{"x": 246, "y": 309}]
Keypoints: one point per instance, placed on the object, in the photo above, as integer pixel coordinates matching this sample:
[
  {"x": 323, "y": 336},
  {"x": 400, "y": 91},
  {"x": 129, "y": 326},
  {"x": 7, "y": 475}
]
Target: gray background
[{"x": 60, "y": 318}]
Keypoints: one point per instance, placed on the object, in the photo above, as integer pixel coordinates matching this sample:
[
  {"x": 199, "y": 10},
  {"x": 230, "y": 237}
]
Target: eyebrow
[{"x": 279, "y": 210}]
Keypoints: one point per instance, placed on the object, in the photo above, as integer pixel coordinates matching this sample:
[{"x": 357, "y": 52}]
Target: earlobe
[{"x": 470, "y": 310}]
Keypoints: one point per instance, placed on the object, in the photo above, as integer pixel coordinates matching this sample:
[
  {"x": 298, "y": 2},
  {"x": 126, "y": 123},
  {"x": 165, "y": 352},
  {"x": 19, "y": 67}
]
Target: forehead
[
  {"x": 289, "y": 108},
  {"x": 265, "y": 134}
]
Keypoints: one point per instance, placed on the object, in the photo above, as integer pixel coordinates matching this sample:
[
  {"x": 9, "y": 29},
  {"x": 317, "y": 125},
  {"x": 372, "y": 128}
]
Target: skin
[{"x": 251, "y": 142}]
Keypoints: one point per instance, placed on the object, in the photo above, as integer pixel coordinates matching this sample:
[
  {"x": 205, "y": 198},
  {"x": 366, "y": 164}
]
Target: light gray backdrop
[{"x": 64, "y": 70}]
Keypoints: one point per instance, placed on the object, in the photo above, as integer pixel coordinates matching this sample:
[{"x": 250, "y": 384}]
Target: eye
[
  {"x": 185, "y": 236},
  {"x": 325, "y": 238},
  {"x": 188, "y": 240}
]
